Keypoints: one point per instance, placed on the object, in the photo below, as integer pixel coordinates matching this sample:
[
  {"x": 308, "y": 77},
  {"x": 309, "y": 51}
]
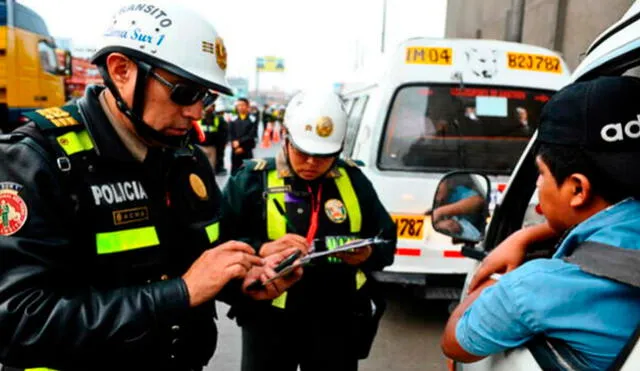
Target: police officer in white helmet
[
  {"x": 110, "y": 219},
  {"x": 308, "y": 198}
]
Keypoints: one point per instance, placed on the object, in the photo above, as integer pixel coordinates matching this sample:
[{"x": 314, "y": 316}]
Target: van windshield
[{"x": 443, "y": 128}]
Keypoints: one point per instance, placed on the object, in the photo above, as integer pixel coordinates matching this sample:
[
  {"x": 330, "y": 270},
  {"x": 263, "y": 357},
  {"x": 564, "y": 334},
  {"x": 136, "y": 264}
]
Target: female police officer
[
  {"x": 303, "y": 197},
  {"x": 108, "y": 217}
]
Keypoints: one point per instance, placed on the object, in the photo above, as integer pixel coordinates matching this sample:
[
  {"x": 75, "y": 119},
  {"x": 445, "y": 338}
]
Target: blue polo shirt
[{"x": 593, "y": 315}]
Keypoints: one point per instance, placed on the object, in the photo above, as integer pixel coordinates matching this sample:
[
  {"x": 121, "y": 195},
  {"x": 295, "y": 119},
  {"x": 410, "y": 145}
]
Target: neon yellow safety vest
[
  {"x": 277, "y": 227},
  {"x": 211, "y": 128}
]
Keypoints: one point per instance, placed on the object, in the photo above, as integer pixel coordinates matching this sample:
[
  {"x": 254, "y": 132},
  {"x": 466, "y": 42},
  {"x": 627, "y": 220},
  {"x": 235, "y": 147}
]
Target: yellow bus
[{"x": 30, "y": 75}]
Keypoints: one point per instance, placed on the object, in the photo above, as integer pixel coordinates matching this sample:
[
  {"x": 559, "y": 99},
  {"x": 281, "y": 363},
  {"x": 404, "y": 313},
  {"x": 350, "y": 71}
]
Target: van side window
[
  {"x": 353, "y": 124},
  {"x": 48, "y": 57}
]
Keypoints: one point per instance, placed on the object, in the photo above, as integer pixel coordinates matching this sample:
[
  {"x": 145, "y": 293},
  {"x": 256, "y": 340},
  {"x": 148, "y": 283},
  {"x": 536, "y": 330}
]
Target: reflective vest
[
  {"x": 210, "y": 128},
  {"x": 277, "y": 225}
]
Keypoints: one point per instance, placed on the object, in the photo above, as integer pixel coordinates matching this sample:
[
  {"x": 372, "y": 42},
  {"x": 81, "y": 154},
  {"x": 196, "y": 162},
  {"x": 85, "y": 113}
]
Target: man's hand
[
  {"x": 273, "y": 289},
  {"x": 437, "y": 214},
  {"x": 355, "y": 257},
  {"x": 510, "y": 253},
  {"x": 284, "y": 243},
  {"x": 216, "y": 267},
  {"x": 450, "y": 225}
]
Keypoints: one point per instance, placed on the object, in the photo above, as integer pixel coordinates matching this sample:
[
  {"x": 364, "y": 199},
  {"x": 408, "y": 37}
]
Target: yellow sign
[
  {"x": 534, "y": 62},
  {"x": 427, "y": 55},
  {"x": 410, "y": 227},
  {"x": 270, "y": 64}
]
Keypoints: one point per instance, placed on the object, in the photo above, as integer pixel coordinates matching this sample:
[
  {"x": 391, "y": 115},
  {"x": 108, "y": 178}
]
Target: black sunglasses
[{"x": 187, "y": 94}]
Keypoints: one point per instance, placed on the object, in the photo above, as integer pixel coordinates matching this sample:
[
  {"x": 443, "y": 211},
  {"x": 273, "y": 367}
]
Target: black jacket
[
  {"x": 92, "y": 279},
  {"x": 244, "y": 131}
]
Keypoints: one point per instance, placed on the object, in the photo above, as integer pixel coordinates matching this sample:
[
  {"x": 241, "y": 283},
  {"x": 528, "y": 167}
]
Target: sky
[{"x": 322, "y": 42}]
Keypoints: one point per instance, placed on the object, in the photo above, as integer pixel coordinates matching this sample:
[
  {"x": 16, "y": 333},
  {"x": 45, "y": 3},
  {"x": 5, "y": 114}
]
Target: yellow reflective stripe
[
  {"x": 361, "y": 279},
  {"x": 350, "y": 199},
  {"x": 130, "y": 239},
  {"x": 276, "y": 223},
  {"x": 280, "y": 301},
  {"x": 213, "y": 232},
  {"x": 73, "y": 142},
  {"x": 39, "y": 369}
]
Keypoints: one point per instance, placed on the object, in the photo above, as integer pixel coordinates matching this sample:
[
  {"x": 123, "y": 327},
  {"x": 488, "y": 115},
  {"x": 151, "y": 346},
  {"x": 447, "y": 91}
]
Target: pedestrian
[
  {"x": 242, "y": 135},
  {"x": 307, "y": 197},
  {"x": 215, "y": 130}
]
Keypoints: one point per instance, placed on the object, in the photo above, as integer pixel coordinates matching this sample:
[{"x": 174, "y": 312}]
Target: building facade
[{"x": 567, "y": 26}]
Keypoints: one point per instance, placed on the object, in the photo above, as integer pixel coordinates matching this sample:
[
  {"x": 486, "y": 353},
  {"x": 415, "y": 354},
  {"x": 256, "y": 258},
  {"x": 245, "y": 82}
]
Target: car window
[{"x": 353, "y": 124}]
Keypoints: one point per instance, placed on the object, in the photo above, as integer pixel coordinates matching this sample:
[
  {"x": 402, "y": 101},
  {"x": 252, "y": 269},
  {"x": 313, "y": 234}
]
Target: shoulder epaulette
[
  {"x": 256, "y": 164},
  {"x": 353, "y": 163},
  {"x": 55, "y": 117}
]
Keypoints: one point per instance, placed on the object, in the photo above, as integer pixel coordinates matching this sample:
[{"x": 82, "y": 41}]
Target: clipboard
[{"x": 358, "y": 244}]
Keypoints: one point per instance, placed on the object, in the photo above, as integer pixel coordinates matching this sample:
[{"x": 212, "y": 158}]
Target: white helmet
[
  {"x": 169, "y": 36},
  {"x": 166, "y": 35},
  {"x": 316, "y": 123}
]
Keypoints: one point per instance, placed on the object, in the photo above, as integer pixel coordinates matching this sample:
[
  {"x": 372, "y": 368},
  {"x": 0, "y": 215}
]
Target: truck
[{"x": 30, "y": 75}]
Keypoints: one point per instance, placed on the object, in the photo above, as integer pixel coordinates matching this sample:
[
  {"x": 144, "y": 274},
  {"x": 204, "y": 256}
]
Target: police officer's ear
[{"x": 123, "y": 72}]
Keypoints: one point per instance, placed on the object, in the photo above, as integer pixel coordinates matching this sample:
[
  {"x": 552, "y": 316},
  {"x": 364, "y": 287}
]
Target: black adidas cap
[{"x": 602, "y": 117}]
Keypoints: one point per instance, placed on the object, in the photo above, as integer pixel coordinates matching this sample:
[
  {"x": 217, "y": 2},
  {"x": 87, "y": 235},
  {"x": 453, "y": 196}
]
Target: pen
[
  {"x": 284, "y": 215},
  {"x": 257, "y": 284}
]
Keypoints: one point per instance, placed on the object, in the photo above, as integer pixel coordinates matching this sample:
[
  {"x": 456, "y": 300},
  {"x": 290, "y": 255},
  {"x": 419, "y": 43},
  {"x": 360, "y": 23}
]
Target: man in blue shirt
[{"x": 588, "y": 151}]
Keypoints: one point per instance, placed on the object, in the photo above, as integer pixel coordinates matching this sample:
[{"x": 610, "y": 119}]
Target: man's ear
[
  {"x": 121, "y": 69},
  {"x": 580, "y": 188}
]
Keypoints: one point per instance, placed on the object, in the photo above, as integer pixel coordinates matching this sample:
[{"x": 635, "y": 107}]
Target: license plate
[
  {"x": 410, "y": 227},
  {"x": 534, "y": 62},
  {"x": 425, "y": 55}
]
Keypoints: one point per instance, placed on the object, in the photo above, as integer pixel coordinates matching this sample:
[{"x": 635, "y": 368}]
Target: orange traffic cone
[
  {"x": 266, "y": 137},
  {"x": 276, "y": 134}
]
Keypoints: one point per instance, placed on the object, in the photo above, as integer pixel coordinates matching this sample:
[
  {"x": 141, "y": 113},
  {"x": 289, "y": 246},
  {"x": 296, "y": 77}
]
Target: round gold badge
[
  {"x": 198, "y": 187},
  {"x": 324, "y": 126},
  {"x": 221, "y": 54}
]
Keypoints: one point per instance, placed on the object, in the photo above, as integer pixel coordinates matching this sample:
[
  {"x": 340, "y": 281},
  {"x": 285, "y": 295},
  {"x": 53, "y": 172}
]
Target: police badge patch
[
  {"x": 221, "y": 53},
  {"x": 13, "y": 209},
  {"x": 324, "y": 126},
  {"x": 335, "y": 210}
]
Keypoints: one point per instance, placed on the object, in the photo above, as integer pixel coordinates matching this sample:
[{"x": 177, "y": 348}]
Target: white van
[{"x": 438, "y": 105}]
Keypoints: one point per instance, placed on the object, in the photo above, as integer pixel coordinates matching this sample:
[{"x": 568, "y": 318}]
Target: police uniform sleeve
[
  {"x": 48, "y": 311},
  {"x": 376, "y": 220},
  {"x": 240, "y": 199}
]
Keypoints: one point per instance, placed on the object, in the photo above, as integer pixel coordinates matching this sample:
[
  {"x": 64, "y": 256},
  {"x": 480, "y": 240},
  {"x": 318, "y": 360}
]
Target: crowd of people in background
[{"x": 244, "y": 127}]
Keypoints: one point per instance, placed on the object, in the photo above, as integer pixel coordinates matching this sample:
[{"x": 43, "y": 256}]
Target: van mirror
[{"x": 461, "y": 206}]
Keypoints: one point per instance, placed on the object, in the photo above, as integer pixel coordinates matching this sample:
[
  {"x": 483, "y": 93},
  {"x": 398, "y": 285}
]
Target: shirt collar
[{"x": 137, "y": 148}]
